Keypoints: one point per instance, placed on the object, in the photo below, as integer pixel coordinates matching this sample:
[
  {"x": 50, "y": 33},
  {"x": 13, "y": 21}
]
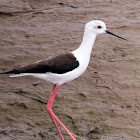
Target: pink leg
[
  {"x": 63, "y": 127},
  {"x": 50, "y": 113},
  {"x": 53, "y": 116}
]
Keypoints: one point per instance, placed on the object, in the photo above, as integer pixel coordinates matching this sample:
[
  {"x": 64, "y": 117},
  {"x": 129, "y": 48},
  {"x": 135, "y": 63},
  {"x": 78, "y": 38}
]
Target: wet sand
[{"x": 102, "y": 104}]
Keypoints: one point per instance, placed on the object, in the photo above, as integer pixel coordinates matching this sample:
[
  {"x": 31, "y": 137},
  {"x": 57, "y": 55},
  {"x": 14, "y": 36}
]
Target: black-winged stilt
[{"x": 64, "y": 67}]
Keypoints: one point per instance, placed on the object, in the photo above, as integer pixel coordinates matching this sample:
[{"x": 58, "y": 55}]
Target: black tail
[{"x": 8, "y": 72}]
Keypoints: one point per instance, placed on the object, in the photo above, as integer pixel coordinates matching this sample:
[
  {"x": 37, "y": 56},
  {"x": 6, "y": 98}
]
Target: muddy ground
[{"x": 102, "y": 104}]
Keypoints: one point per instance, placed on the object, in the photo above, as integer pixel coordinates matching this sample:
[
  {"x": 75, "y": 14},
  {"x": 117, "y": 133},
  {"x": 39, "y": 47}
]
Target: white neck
[{"x": 86, "y": 45}]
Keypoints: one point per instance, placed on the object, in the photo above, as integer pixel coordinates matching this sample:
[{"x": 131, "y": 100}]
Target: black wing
[{"x": 59, "y": 64}]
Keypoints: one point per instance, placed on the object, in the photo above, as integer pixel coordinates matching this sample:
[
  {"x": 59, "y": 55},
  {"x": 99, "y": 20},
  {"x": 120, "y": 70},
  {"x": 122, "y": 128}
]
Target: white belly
[
  {"x": 58, "y": 78},
  {"x": 69, "y": 76},
  {"x": 61, "y": 78}
]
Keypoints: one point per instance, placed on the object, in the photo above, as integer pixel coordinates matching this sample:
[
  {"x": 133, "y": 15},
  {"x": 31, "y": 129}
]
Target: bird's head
[{"x": 98, "y": 27}]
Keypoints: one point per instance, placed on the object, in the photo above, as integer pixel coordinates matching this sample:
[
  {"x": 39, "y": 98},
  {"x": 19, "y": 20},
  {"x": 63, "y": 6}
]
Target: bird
[{"x": 65, "y": 67}]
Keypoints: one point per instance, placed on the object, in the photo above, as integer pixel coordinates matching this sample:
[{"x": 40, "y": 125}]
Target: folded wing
[{"x": 59, "y": 64}]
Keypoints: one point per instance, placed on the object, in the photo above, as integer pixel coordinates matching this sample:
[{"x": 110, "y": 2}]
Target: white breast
[{"x": 69, "y": 76}]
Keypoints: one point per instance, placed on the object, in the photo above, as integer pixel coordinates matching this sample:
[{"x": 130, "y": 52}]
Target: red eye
[{"x": 99, "y": 27}]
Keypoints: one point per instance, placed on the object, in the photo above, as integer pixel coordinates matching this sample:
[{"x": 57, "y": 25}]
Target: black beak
[{"x": 114, "y": 35}]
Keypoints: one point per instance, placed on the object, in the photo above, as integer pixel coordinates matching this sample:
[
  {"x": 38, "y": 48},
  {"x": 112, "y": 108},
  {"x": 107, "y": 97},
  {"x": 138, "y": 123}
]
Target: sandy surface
[{"x": 102, "y": 104}]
